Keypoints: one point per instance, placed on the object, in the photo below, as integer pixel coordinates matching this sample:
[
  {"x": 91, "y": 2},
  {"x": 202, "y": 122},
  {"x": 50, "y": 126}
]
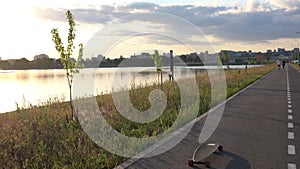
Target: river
[{"x": 23, "y": 88}]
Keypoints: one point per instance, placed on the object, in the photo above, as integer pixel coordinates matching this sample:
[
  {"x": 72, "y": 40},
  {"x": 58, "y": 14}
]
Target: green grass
[{"x": 41, "y": 137}]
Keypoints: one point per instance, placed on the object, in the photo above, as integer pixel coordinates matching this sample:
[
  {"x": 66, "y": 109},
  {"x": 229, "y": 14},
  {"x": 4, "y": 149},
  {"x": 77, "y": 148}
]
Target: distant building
[
  {"x": 166, "y": 54},
  {"x": 208, "y": 59},
  {"x": 144, "y": 56},
  {"x": 281, "y": 50},
  {"x": 98, "y": 59},
  {"x": 141, "y": 56},
  {"x": 269, "y": 51},
  {"x": 94, "y": 62},
  {"x": 41, "y": 56},
  {"x": 260, "y": 59},
  {"x": 295, "y": 53}
]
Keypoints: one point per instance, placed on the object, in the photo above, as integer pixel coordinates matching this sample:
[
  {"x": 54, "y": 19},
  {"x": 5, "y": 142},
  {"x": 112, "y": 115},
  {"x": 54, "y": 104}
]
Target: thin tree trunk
[
  {"x": 158, "y": 78},
  {"x": 71, "y": 105},
  {"x": 161, "y": 78},
  {"x": 70, "y": 94}
]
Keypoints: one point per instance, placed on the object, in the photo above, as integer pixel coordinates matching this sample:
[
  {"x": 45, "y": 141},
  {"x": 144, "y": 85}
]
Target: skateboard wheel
[
  {"x": 220, "y": 148},
  {"x": 190, "y": 163},
  {"x": 207, "y": 164}
]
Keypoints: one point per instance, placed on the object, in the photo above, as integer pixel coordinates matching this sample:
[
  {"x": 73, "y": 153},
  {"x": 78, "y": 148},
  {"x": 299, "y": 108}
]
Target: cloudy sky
[{"x": 236, "y": 25}]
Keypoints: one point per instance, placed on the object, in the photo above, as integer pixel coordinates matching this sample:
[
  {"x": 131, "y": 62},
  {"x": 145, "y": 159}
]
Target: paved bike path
[{"x": 255, "y": 130}]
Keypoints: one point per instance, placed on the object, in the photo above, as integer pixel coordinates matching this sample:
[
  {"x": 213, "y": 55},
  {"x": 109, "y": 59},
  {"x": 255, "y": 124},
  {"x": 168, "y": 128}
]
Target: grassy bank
[
  {"x": 295, "y": 65},
  {"x": 41, "y": 137}
]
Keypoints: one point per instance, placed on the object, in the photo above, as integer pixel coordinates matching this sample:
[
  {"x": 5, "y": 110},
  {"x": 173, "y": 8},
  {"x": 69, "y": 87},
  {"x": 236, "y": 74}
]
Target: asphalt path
[{"x": 260, "y": 129}]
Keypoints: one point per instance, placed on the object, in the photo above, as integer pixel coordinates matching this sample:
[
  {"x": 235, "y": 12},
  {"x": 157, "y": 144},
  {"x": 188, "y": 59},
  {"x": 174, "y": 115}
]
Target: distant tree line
[
  {"x": 191, "y": 58},
  {"x": 49, "y": 63},
  {"x": 23, "y": 64}
]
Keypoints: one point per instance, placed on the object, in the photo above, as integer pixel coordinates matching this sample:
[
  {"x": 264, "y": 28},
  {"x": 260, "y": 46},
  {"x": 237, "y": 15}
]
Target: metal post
[
  {"x": 297, "y": 54},
  {"x": 171, "y": 66},
  {"x": 298, "y": 57}
]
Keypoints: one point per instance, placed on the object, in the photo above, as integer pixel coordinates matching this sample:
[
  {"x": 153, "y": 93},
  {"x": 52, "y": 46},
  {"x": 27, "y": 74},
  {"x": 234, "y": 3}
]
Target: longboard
[{"x": 202, "y": 152}]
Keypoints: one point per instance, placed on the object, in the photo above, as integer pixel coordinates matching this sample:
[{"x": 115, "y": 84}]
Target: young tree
[
  {"x": 219, "y": 62},
  {"x": 70, "y": 66},
  {"x": 157, "y": 59},
  {"x": 225, "y": 58}
]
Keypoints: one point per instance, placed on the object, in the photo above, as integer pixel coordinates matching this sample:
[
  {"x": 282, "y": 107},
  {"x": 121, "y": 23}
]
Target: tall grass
[{"x": 41, "y": 137}]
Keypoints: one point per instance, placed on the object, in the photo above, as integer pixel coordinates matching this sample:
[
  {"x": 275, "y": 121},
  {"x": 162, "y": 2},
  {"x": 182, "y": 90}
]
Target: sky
[{"x": 184, "y": 26}]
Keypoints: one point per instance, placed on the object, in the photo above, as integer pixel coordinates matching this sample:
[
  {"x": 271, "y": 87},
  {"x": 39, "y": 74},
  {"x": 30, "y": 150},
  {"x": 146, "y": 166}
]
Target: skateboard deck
[{"x": 202, "y": 152}]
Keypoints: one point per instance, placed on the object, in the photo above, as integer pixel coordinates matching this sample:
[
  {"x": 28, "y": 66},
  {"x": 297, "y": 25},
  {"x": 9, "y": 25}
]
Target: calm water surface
[
  {"x": 34, "y": 87},
  {"x": 25, "y": 87}
]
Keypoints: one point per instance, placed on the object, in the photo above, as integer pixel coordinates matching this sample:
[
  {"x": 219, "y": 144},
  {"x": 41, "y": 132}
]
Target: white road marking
[
  {"x": 291, "y": 136},
  {"x": 290, "y": 125},
  {"x": 287, "y": 80},
  {"x": 291, "y": 150},
  {"x": 291, "y": 166}
]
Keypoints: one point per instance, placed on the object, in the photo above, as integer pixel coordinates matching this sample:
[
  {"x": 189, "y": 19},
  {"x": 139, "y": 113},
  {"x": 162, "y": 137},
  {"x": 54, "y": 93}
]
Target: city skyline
[
  {"x": 237, "y": 25},
  {"x": 283, "y": 51}
]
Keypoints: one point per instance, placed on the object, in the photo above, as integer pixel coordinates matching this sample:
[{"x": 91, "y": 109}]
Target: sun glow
[{"x": 17, "y": 28}]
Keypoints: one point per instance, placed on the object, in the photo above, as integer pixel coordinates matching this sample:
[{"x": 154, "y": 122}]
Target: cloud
[
  {"x": 50, "y": 14},
  {"x": 254, "y": 22},
  {"x": 138, "y": 6},
  {"x": 288, "y": 5},
  {"x": 255, "y": 5},
  {"x": 82, "y": 15}
]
